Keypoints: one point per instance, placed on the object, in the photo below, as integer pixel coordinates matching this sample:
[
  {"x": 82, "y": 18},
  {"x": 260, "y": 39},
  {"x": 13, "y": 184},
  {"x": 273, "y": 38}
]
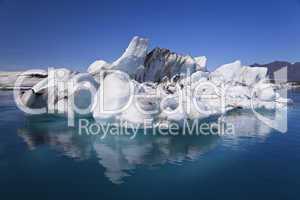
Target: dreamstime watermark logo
[{"x": 112, "y": 93}]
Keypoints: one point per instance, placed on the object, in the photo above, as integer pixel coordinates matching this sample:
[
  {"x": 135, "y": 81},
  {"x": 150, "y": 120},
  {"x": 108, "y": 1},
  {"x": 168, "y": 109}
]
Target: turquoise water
[{"x": 40, "y": 158}]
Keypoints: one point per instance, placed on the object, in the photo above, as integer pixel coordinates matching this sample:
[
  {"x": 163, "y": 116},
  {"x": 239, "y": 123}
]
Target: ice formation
[
  {"x": 57, "y": 89},
  {"x": 159, "y": 87}
]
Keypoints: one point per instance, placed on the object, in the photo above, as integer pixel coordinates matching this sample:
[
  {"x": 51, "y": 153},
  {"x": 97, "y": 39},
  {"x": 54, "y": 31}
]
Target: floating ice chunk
[
  {"x": 171, "y": 74},
  {"x": 38, "y": 96},
  {"x": 58, "y": 90}
]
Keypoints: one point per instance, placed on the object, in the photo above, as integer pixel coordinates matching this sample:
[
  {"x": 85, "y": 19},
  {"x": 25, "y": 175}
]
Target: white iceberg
[
  {"x": 159, "y": 86},
  {"x": 57, "y": 90}
]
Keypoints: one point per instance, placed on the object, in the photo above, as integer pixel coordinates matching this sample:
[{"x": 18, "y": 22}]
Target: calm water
[{"x": 40, "y": 158}]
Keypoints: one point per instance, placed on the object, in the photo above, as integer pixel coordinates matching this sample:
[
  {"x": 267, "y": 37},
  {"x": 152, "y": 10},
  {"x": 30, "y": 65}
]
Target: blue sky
[{"x": 40, "y": 34}]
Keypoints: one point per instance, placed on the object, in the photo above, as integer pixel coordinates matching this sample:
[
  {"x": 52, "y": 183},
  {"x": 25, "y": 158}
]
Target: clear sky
[{"x": 58, "y": 33}]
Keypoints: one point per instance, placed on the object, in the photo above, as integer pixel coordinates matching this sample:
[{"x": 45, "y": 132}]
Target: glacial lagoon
[{"x": 42, "y": 158}]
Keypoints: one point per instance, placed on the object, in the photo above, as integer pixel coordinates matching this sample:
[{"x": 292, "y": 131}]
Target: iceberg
[
  {"x": 159, "y": 86},
  {"x": 60, "y": 91}
]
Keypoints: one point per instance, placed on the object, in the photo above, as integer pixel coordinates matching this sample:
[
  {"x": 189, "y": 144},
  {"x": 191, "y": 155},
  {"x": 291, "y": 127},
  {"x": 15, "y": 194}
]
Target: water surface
[{"x": 41, "y": 158}]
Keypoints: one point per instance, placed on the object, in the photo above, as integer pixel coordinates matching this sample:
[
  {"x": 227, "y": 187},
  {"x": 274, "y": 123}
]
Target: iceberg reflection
[{"x": 120, "y": 155}]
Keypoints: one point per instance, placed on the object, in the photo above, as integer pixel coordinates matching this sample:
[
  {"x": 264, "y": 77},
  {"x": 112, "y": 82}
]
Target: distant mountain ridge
[{"x": 293, "y": 69}]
